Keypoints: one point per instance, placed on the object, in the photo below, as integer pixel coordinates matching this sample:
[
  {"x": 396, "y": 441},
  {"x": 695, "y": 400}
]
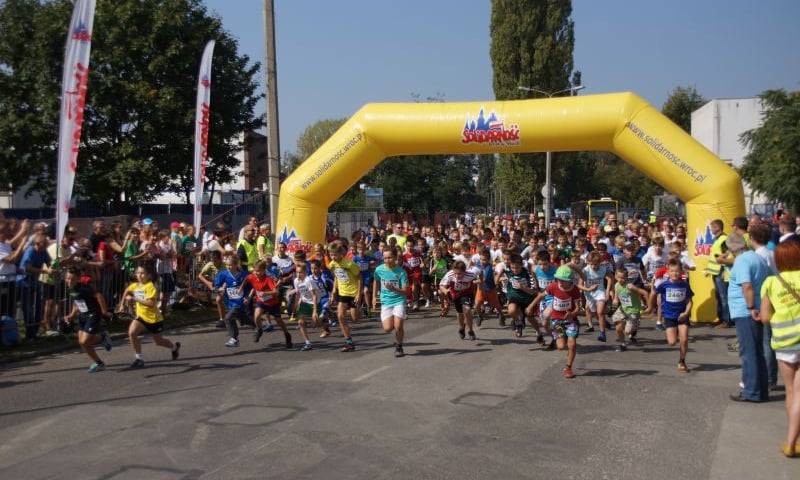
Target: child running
[
  {"x": 563, "y": 315},
  {"x": 459, "y": 286},
  {"x": 88, "y": 306},
  {"x": 307, "y": 302},
  {"x": 521, "y": 293},
  {"x": 596, "y": 283},
  {"x": 392, "y": 281},
  {"x": 346, "y": 291},
  {"x": 627, "y": 298},
  {"x": 674, "y": 297},
  {"x": 227, "y": 283},
  {"x": 143, "y": 294},
  {"x": 264, "y": 290}
]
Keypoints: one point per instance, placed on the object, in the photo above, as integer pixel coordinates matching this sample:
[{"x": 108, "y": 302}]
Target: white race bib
[
  {"x": 562, "y": 305},
  {"x": 82, "y": 307},
  {"x": 233, "y": 293},
  {"x": 676, "y": 295}
]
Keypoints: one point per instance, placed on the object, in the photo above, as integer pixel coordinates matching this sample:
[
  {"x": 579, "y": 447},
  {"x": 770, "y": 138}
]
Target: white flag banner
[
  {"x": 201, "y": 121},
  {"x": 73, "y": 101}
]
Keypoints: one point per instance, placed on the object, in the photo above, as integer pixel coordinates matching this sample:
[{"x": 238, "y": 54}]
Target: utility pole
[{"x": 273, "y": 132}]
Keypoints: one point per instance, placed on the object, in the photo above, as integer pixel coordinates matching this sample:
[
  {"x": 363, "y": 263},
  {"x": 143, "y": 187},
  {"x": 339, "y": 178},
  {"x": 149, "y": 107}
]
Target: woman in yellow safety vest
[{"x": 780, "y": 307}]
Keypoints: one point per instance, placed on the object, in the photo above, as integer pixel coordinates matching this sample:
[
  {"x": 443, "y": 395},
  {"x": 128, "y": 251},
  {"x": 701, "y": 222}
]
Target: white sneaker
[
  {"x": 232, "y": 343},
  {"x": 427, "y": 304}
]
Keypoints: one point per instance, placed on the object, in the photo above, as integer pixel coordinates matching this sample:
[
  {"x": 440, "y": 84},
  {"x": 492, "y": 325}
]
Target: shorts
[
  {"x": 415, "y": 277},
  {"x": 153, "y": 328},
  {"x": 90, "y": 324},
  {"x": 398, "y": 311},
  {"x": 631, "y": 320},
  {"x": 426, "y": 277},
  {"x": 305, "y": 310},
  {"x": 788, "y": 357},
  {"x": 366, "y": 280},
  {"x": 271, "y": 310},
  {"x": 48, "y": 290},
  {"x": 674, "y": 322},
  {"x": 593, "y": 298},
  {"x": 522, "y": 304},
  {"x": 167, "y": 283},
  {"x": 349, "y": 302},
  {"x": 463, "y": 301},
  {"x": 564, "y": 329}
]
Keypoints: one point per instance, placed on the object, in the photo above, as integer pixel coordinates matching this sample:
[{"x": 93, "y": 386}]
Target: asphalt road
[{"x": 498, "y": 407}]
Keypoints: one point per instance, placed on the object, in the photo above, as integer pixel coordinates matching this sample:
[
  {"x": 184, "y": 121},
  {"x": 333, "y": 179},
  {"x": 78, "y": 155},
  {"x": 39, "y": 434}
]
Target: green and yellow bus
[{"x": 588, "y": 209}]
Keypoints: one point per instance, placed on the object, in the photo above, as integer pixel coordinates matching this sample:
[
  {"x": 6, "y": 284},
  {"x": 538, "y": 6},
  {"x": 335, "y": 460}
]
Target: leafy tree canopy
[
  {"x": 138, "y": 130},
  {"x": 773, "y": 165}
]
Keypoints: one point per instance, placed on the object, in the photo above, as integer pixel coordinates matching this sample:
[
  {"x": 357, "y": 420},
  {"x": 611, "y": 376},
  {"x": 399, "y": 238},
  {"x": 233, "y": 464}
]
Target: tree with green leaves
[
  {"x": 680, "y": 104},
  {"x": 773, "y": 165},
  {"x": 532, "y": 44},
  {"x": 138, "y": 130}
]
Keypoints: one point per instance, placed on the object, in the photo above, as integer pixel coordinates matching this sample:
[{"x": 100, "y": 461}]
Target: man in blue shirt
[
  {"x": 35, "y": 261},
  {"x": 748, "y": 272}
]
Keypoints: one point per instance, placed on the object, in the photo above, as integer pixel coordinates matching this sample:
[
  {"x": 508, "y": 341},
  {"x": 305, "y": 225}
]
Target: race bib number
[
  {"x": 545, "y": 282},
  {"x": 676, "y": 295},
  {"x": 82, "y": 307},
  {"x": 233, "y": 293},
  {"x": 591, "y": 282},
  {"x": 517, "y": 283},
  {"x": 341, "y": 275},
  {"x": 414, "y": 262},
  {"x": 461, "y": 286},
  {"x": 390, "y": 283},
  {"x": 263, "y": 296},
  {"x": 139, "y": 295},
  {"x": 625, "y": 300},
  {"x": 562, "y": 305}
]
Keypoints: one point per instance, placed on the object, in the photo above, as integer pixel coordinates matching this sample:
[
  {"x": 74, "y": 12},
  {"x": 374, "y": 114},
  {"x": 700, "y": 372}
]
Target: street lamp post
[{"x": 548, "y": 184}]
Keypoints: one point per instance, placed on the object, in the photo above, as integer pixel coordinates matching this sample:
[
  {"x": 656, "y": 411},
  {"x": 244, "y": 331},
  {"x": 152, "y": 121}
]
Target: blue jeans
[
  {"x": 751, "y": 352},
  {"x": 721, "y": 295}
]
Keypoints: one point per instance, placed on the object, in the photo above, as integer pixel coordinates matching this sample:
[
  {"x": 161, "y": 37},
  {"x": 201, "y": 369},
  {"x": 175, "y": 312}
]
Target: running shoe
[
  {"x": 568, "y": 372},
  {"x": 348, "y": 347},
  {"x": 660, "y": 326},
  {"x": 105, "y": 339},
  {"x": 325, "y": 333},
  {"x": 220, "y": 324},
  {"x": 589, "y": 327},
  {"x": 176, "y": 352},
  {"x": 138, "y": 363},
  {"x": 306, "y": 347},
  {"x": 632, "y": 338},
  {"x": 334, "y": 323},
  {"x": 621, "y": 347},
  {"x": 682, "y": 367},
  {"x": 99, "y": 367},
  {"x": 257, "y": 335},
  {"x": 552, "y": 346},
  {"x": 518, "y": 331},
  {"x": 269, "y": 327},
  {"x": 427, "y": 304},
  {"x": 540, "y": 340},
  {"x": 232, "y": 342},
  {"x": 461, "y": 334},
  {"x": 292, "y": 319},
  {"x": 472, "y": 335},
  {"x": 602, "y": 337},
  {"x": 398, "y": 351},
  {"x": 480, "y": 318},
  {"x": 288, "y": 338},
  {"x": 502, "y": 320}
]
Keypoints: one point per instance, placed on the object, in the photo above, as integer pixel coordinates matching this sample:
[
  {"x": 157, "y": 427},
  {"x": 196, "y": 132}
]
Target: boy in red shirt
[{"x": 563, "y": 315}]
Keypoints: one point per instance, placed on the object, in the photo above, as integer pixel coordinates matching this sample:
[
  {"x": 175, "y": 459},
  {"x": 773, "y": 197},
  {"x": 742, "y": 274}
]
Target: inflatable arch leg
[{"x": 621, "y": 123}]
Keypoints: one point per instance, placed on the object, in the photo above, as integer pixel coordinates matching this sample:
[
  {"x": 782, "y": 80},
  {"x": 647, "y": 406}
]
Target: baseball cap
[
  {"x": 147, "y": 221},
  {"x": 175, "y": 225}
]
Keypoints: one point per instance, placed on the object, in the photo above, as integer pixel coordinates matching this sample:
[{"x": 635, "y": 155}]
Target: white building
[{"x": 718, "y": 125}]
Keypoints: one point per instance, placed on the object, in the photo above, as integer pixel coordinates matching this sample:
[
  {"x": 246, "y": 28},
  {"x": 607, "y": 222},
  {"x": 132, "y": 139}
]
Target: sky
[{"x": 334, "y": 57}]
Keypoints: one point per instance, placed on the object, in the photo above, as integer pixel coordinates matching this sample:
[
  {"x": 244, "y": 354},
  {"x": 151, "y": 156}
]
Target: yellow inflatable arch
[{"x": 622, "y": 123}]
